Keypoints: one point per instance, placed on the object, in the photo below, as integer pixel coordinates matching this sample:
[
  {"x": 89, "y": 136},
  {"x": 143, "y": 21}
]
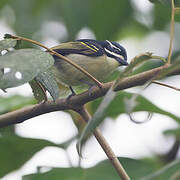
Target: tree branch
[
  {"x": 79, "y": 100},
  {"x": 105, "y": 146}
]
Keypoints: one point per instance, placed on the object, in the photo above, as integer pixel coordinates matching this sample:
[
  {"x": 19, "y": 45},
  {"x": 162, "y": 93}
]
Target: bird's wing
[{"x": 79, "y": 47}]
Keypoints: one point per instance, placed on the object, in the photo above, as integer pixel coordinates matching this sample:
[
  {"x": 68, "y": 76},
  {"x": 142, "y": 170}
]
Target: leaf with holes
[
  {"x": 7, "y": 43},
  {"x": 23, "y": 65}
]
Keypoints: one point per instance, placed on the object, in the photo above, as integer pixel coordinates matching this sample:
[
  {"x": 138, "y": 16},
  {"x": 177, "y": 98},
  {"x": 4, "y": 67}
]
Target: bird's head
[{"x": 116, "y": 51}]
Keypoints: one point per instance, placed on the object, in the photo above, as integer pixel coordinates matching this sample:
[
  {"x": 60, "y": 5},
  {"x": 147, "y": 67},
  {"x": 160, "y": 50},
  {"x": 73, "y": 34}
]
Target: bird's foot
[{"x": 72, "y": 93}]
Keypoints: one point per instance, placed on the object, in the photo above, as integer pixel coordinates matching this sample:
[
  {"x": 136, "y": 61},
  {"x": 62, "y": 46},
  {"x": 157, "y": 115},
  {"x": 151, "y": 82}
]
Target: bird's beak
[{"x": 122, "y": 61}]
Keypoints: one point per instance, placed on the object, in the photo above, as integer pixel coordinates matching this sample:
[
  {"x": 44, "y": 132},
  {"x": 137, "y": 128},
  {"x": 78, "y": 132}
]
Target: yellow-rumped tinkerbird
[{"x": 99, "y": 58}]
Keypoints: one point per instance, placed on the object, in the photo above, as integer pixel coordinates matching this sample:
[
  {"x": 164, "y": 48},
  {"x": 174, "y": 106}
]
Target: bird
[{"x": 99, "y": 58}]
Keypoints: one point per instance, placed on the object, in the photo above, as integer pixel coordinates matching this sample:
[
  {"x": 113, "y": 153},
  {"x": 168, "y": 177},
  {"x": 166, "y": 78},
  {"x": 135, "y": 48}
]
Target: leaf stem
[
  {"x": 99, "y": 84},
  {"x": 171, "y": 31},
  {"x": 159, "y": 57},
  {"x": 166, "y": 85},
  {"x": 105, "y": 146}
]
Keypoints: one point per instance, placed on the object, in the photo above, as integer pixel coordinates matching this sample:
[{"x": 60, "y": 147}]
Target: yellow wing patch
[{"x": 93, "y": 48}]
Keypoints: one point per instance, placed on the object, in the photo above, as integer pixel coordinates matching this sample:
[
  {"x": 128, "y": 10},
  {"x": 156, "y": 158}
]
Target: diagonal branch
[{"x": 104, "y": 144}]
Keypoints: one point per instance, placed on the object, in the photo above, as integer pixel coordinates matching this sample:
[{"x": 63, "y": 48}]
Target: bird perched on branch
[{"x": 99, "y": 58}]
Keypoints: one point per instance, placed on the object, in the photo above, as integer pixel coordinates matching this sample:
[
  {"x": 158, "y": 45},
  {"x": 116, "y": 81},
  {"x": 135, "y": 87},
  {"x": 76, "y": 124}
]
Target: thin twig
[
  {"x": 99, "y": 84},
  {"x": 107, "y": 149},
  {"x": 159, "y": 57},
  {"x": 166, "y": 85},
  {"x": 171, "y": 31}
]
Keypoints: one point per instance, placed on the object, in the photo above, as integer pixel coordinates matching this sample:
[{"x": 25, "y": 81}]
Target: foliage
[
  {"x": 113, "y": 20},
  {"x": 101, "y": 170}
]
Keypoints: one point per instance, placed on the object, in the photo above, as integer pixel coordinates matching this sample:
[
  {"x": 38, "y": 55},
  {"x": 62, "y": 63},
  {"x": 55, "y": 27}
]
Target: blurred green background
[{"x": 38, "y": 145}]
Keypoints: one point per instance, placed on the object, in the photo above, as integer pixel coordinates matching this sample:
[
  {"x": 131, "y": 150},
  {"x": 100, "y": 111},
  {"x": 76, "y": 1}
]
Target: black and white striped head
[{"x": 116, "y": 51}]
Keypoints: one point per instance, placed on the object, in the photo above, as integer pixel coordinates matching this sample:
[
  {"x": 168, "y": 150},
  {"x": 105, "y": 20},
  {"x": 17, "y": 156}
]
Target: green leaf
[
  {"x": 148, "y": 65},
  {"x": 160, "y": 1},
  {"x": 3, "y": 2},
  {"x": 97, "y": 118},
  {"x": 8, "y": 130},
  {"x": 7, "y": 43},
  {"x": 57, "y": 174},
  {"x": 14, "y": 102},
  {"x": 15, "y": 151},
  {"x": 118, "y": 106},
  {"x": 120, "y": 15},
  {"x": 162, "y": 16},
  {"x": 38, "y": 91},
  {"x": 48, "y": 81},
  {"x": 134, "y": 63},
  {"x": 93, "y": 17},
  {"x": 104, "y": 170},
  {"x": 137, "y": 60},
  {"x": 21, "y": 66},
  {"x": 170, "y": 171},
  {"x": 174, "y": 67},
  {"x": 173, "y": 132}
]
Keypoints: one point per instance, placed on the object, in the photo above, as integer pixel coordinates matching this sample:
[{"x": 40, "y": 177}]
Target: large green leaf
[
  {"x": 103, "y": 170},
  {"x": 118, "y": 106},
  {"x": 162, "y": 16},
  {"x": 107, "y": 22},
  {"x": 14, "y": 102},
  {"x": 15, "y": 151},
  {"x": 21, "y": 66},
  {"x": 57, "y": 174},
  {"x": 107, "y": 19},
  {"x": 168, "y": 172}
]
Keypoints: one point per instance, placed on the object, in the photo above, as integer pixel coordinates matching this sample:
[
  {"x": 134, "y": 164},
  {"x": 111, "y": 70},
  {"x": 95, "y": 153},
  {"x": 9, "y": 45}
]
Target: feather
[{"x": 79, "y": 47}]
